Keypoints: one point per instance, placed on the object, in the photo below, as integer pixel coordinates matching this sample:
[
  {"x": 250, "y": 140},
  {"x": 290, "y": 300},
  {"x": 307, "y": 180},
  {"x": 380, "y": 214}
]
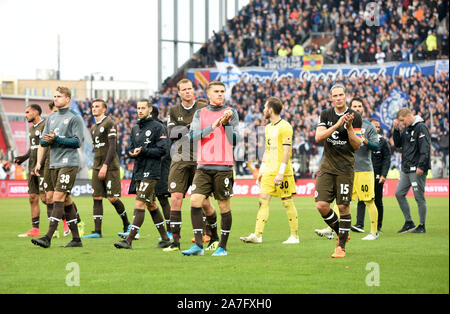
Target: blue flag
[{"x": 386, "y": 113}]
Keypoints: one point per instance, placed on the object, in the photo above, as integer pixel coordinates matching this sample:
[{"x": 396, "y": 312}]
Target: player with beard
[
  {"x": 148, "y": 144},
  {"x": 276, "y": 176},
  {"x": 35, "y": 184}
]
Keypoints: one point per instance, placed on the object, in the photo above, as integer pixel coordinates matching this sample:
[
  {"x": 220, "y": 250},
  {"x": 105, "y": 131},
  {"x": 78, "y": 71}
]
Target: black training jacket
[
  {"x": 381, "y": 160},
  {"x": 152, "y": 137},
  {"x": 415, "y": 144}
]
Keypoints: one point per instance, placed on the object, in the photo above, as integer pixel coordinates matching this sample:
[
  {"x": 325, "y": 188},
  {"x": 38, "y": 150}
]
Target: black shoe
[
  {"x": 123, "y": 245},
  {"x": 419, "y": 229},
  {"x": 42, "y": 242},
  {"x": 408, "y": 226},
  {"x": 73, "y": 243},
  {"x": 172, "y": 247},
  {"x": 357, "y": 228},
  {"x": 163, "y": 244}
]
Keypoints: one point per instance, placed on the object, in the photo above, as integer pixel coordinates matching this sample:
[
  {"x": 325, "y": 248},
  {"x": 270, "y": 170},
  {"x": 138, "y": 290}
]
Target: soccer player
[
  {"x": 63, "y": 132},
  {"x": 184, "y": 165},
  {"x": 364, "y": 184},
  {"x": 337, "y": 128},
  {"x": 35, "y": 185},
  {"x": 415, "y": 143},
  {"x": 381, "y": 161},
  {"x": 276, "y": 176},
  {"x": 43, "y": 158},
  {"x": 148, "y": 144},
  {"x": 106, "y": 168},
  {"x": 214, "y": 132}
]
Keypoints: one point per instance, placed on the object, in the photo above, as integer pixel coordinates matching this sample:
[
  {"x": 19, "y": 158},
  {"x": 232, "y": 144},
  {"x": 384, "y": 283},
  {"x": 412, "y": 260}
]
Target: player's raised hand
[
  {"x": 396, "y": 124},
  {"x": 341, "y": 121},
  {"x": 136, "y": 152},
  {"x": 217, "y": 122},
  {"x": 50, "y": 137},
  {"x": 348, "y": 118},
  {"x": 227, "y": 115}
]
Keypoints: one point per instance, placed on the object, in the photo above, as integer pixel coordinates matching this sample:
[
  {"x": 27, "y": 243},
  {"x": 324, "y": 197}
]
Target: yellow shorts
[
  {"x": 364, "y": 186},
  {"x": 285, "y": 189}
]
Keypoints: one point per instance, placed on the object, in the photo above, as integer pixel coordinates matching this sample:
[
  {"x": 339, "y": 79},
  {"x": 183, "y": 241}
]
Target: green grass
[{"x": 408, "y": 263}]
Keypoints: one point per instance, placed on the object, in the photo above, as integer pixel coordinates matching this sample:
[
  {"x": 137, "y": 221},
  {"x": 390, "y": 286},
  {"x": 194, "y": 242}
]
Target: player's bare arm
[
  {"x": 261, "y": 169},
  {"x": 284, "y": 160},
  {"x": 40, "y": 156}
]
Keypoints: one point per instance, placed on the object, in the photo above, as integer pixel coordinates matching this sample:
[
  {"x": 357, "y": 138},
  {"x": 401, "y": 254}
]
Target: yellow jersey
[{"x": 278, "y": 135}]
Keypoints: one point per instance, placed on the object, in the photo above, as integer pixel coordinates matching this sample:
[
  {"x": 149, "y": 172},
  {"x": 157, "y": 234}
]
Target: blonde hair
[
  {"x": 184, "y": 81},
  {"x": 403, "y": 112},
  {"x": 65, "y": 91},
  {"x": 214, "y": 83}
]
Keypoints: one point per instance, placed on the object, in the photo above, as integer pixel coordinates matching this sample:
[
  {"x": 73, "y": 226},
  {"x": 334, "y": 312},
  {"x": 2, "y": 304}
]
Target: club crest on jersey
[
  {"x": 148, "y": 133},
  {"x": 102, "y": 129},
  {"x": 66, "y": 121},
  {"x": 37, "y": 133}
]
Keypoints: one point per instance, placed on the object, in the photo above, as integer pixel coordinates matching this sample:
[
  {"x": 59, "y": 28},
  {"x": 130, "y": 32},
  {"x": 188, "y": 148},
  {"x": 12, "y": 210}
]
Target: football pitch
[{"x": 395, "y": 263}]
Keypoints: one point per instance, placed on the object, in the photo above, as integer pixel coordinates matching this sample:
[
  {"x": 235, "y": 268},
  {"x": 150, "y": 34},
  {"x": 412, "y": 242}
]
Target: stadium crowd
[
  {"x": 303, "y": 101},
  {"x": 408, "y": 30}
]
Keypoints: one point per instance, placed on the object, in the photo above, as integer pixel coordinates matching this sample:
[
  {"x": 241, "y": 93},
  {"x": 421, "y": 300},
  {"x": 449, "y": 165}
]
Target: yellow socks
[
  {"x": 291, "y": 212},
  {"x": 262, "y": 217},
  {"x": 373, "y": 215}
]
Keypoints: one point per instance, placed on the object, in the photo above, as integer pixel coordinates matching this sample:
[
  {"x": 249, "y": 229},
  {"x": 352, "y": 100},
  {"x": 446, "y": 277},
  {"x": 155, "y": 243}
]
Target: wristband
[
  {"x": 261, "y": 168},
  {"x": 282, "y": 168}
]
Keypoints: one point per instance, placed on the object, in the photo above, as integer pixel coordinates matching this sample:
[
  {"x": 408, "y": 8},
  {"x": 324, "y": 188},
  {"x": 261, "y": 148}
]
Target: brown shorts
[
  {"x": 48, "y": 183},
  {"x": 181, "y": 175},
  {"x": 63, "y": 179},
  {"x": 35, "y": 184},
  {"x": 219, "y": 183},
  {"x": 145, "y": 191},
  {"x": 109, "y": 187},
  {"x": 330, "y": 187}
]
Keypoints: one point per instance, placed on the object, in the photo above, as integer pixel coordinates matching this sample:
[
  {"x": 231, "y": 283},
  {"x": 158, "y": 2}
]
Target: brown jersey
[
  {"x": 338, "y": 155},
  {"x": 34, "y": 134},
  {"x": 178, "y": 124},
  {"x": 101, "y": 132}
]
